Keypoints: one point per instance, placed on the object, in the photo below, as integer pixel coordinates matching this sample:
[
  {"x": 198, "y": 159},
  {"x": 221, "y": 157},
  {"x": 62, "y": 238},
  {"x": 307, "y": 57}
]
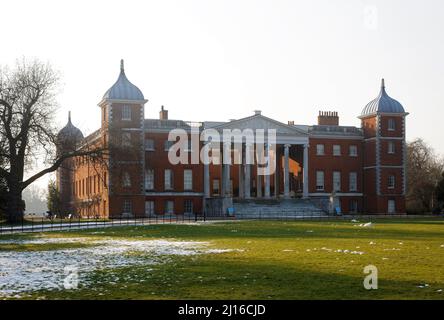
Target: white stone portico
[{"x": 287, "y": 136}]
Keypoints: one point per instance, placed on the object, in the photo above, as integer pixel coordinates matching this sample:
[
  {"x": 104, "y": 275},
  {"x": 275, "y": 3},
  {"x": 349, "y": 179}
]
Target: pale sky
[{"x": 218, "y": 60}]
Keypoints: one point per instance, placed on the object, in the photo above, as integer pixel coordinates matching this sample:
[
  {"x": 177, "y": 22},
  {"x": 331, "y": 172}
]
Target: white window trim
[
  {"x": 355, "y": 185},
  {"x": 389, "y": 128},
  {"x": 188, "y": 187},
  {"x": 126, "y": 110},
  {"x": 166, "y": 209},
  {"x": 339, "y": 183},
  {"x": 353, "y": 147},
  {"x": 320, "y": 187},
  {"x": 149, "y": 172},
  {"x": 150, "y": 209},
  {"x": 340, "y": 151},
  {"x": 130, "y": 205},
  {"x": 170, "y": 182},
  {"x": 218, "y": 187},
  {"x": 318, "y": 153},
  {"x": 149, "y": 148},
  {"x": 184, "y": 206},
  {"x": 388, "y": 206},
  {"x": 389, "y": 186},
  {"x": 391, "y": 150}
]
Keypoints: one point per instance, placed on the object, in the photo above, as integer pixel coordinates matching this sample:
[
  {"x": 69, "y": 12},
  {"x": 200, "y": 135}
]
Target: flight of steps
[{"x": 272, "y": 208}]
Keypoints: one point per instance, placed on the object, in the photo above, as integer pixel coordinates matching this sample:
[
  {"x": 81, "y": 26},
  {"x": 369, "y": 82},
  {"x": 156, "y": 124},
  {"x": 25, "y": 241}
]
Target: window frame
[
  {"x": 149, "y": 178},
  {"x": 355, "y": 185},
  {"x": 353, "y": 206},
  {"x": 336, "y": 173},
  {"x": 188, "y": 203},
  {"x": 167, "y": 144},
  {"x": 391, "y": 209},
  {"x": 391, "y": 183},
  {"x": 391, "y": 124},
  {"x": 353, "y": 147},
  {"x": 168, "y": 210},
  {"x": 127, "y": 204},
  {"x": 126, "y": 139},
  {"x": 189, "y": 186},
  {"x": 320, "y": 147},
  {"x": 217, "y": 181},
  {"x": 170, "y": 185},
  {"x": 391, "y": 147},
  {"x": 340, "y": 151},
  {"x": 150, "y": 209},
  {"x": 320, "y": 187},
  {"x": 126, "y": 180},
  {"x": 151, "y": 147},
  {"x": 126, "y": 113}
]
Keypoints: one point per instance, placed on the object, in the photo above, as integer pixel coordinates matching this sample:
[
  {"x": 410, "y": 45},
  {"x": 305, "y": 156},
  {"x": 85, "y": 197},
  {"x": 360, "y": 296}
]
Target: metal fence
[{"x": 36, "y": 224}]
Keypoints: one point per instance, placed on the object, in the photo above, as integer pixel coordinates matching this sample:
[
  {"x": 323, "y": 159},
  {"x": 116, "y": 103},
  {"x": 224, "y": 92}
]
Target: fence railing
[{"x": 37, "y": 224}]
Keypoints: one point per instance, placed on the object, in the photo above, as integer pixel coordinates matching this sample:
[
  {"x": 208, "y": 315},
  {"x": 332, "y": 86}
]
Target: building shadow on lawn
[
  {"x": 271, "y": 230},
  {"x": 217, "y": 278}
]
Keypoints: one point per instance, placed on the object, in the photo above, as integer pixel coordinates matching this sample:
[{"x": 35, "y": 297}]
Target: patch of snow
[
  {"x": 366, "y": 225},
  {"x": 27, "y": 271}
]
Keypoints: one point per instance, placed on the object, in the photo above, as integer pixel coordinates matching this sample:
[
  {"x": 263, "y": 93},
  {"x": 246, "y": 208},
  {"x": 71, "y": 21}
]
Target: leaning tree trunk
[{"x": 15, "y": 208}]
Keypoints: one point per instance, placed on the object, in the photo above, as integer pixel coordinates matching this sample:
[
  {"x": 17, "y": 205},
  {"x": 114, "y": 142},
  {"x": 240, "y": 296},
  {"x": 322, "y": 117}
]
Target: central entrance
[{"x": 247, "y": 181}]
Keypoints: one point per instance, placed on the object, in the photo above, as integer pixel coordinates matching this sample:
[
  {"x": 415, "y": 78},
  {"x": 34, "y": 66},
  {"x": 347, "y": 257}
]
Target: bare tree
[
  {"x": 424, "y": 169},
  {"x": 27, "y": 130}
]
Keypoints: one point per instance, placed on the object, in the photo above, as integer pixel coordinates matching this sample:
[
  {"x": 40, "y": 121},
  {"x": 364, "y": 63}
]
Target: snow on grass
[
  {"x": 27, "y": 271},
  {"x": 346, "y": 251}
]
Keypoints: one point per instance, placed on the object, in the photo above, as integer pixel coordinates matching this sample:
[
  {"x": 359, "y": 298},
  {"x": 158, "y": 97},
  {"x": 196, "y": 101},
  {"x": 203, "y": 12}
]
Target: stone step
[{"x": 269, "y": 208}]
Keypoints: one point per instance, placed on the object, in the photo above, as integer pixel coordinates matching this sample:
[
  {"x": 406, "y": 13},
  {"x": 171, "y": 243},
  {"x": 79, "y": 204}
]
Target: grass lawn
[{"x": 268, "y": 260}]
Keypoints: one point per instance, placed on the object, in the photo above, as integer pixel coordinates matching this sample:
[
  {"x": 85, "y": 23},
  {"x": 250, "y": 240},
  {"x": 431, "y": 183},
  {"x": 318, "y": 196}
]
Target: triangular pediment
[{"x": 261, "y": 122}]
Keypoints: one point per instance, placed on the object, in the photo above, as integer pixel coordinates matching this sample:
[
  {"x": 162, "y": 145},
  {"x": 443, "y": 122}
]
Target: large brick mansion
[{"x": 364, "y": 168}]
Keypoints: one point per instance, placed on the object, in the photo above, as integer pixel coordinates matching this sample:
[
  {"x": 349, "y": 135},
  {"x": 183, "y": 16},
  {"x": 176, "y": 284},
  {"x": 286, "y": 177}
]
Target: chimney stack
[
  {"x": 328, "y": 118},
  {"x": 163, "y": 114}
]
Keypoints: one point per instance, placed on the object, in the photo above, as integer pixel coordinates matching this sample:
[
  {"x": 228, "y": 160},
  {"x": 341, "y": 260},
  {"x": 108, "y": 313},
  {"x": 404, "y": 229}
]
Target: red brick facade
[{"x": 364, "y": 167}]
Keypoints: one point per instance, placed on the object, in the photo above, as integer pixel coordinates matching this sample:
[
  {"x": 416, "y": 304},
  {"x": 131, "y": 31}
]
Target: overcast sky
[{"x": 218, "y": 60}]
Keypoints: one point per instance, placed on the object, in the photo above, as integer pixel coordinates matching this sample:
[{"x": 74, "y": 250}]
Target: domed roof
[
  {"x": 383, "y": 103},
  {"x": 123, "y": 89},
  {"x": 70, "y": 133}
]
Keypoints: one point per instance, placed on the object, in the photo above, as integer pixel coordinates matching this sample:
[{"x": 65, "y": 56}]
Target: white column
[
  {"x": 247, "y": 171},
  {"x": 258, "y": 185},
  {"x": 267, "y": 174},
  {"x": 206, "y": 175},
  {"x": 305, "y": 189},
  {"x": 241, "y": 180},
  {"x": 287, "y": 171},
  {"x": 226, "y": 169}
]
